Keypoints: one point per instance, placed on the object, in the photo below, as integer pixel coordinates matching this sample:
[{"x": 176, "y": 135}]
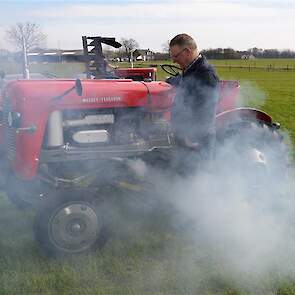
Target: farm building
[
  {"x": 56, "y": 56},
  {"x": 144, "y": 54},
  {"x": 64, "y": 56}
]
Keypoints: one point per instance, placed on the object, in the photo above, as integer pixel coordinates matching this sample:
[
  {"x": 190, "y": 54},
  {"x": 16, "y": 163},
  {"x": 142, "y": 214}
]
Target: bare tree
[
  {"x": 165, "y": 46},
  {"x": 129, "y": 45},
  {"x": 120, "y": 53},
  {"x": 26, "y": 34},
  {"x": 108, "y": 52}
]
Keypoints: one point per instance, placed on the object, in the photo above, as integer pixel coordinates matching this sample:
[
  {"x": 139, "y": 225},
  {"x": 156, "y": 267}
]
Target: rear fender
[{"x": 227, "y": 119}]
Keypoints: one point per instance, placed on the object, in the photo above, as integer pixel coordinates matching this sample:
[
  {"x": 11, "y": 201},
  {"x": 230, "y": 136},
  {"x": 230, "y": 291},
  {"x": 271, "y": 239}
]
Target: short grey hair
[{"x": 183, "y": 40}]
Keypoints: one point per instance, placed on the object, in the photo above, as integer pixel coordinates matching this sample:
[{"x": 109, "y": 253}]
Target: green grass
[
  {"x": 58, "y": 69},
  {"x": 274, "y": 63},
  {"x": 273, "y": 92},
  {"x": 150, "y": 257}
]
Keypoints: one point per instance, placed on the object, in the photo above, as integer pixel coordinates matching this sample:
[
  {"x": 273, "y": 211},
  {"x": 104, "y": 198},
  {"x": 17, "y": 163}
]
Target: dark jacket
[{"x": 194, "y": 110}]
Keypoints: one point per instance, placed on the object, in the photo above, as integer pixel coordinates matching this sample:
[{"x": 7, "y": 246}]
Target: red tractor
[{"x": 64, "y": 143}]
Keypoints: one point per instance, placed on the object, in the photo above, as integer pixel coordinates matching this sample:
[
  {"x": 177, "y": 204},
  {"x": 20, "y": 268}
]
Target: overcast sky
[{"x": 237, "y": 24}]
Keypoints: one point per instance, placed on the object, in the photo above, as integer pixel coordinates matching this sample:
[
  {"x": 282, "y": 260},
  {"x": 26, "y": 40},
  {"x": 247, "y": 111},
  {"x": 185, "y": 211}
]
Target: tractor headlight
[{"x": 14, "y": 119}]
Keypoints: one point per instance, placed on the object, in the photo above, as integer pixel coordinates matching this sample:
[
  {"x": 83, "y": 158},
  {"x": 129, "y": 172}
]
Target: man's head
[{"x": 183, "y": 50}]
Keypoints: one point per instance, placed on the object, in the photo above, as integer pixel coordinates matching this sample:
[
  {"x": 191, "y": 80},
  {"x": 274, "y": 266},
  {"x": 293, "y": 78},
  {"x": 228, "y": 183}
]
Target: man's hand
[
  {"x": 174, "y": 80},
  {"x": 192, "y": 145}
]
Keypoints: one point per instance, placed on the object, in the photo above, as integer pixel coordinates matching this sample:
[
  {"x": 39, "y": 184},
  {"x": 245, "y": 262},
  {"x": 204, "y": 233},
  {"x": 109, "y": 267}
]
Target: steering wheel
[{"x": 171, "y": 69}]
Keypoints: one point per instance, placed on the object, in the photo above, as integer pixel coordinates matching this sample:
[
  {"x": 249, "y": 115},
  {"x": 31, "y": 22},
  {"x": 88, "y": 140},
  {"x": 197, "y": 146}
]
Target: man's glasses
[{"x": 177, "y": 54}]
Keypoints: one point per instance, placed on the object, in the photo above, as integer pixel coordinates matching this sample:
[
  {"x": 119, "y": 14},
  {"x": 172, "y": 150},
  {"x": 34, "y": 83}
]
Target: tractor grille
[{"x": 10, "y": 139}]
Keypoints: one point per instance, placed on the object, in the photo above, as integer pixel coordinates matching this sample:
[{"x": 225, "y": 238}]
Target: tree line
[{"x": 229, "y": 53}]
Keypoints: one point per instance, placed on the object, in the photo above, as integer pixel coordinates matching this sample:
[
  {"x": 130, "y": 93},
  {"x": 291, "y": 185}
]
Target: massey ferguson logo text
[{"x": 102, "y": 99}]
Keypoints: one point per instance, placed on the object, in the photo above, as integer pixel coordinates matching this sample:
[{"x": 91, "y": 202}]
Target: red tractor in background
[{"x": 64, "y": 141}]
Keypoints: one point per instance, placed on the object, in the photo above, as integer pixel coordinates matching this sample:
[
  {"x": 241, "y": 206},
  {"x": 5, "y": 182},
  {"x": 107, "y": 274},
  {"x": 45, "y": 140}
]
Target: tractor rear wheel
[
  {"x": 259, "y": 150},
  {"x": 69, "y": 224}
]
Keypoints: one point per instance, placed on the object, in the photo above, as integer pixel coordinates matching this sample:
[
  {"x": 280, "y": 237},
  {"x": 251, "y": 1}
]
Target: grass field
[
  {"x": 273, "y": 92},
  {"x": 152, "y": 255}
]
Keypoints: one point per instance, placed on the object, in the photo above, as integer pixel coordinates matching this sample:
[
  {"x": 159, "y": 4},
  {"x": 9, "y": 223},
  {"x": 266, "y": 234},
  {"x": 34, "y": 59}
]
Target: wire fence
[{"x": 268, "y": 68}]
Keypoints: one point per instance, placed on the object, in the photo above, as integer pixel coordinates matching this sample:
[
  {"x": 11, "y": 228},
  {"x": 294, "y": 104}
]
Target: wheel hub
[{"x": 74, "y": 227}]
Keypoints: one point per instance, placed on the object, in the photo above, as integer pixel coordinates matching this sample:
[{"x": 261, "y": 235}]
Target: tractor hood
[{"x": 47, "y": 94}]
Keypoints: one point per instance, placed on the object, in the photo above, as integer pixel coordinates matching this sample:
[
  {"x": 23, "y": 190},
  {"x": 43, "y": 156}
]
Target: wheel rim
[{"x": 74, "y": 227}]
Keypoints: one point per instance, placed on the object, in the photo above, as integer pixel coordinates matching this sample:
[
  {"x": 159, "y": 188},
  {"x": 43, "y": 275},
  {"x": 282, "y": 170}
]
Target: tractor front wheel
[{"x": 68, "y": 225}]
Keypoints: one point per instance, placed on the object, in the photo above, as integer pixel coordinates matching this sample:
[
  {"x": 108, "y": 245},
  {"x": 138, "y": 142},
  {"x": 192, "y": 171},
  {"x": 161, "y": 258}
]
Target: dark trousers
[{"x": 187, "y": 160}]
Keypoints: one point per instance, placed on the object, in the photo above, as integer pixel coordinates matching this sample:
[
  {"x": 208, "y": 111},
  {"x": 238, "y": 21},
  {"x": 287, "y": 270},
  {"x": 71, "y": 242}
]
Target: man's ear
[{"x": 190, "y": 51}]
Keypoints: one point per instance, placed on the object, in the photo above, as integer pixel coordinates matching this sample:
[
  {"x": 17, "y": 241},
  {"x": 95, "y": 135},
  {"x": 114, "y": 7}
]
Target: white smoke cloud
[
  {"x": 236, "y": 211},
  {"x": 237, "y": 215}
]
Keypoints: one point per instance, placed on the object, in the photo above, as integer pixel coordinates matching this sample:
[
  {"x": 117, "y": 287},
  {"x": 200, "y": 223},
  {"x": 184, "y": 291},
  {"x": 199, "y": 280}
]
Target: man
[{"x": 194, "y": 110}]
